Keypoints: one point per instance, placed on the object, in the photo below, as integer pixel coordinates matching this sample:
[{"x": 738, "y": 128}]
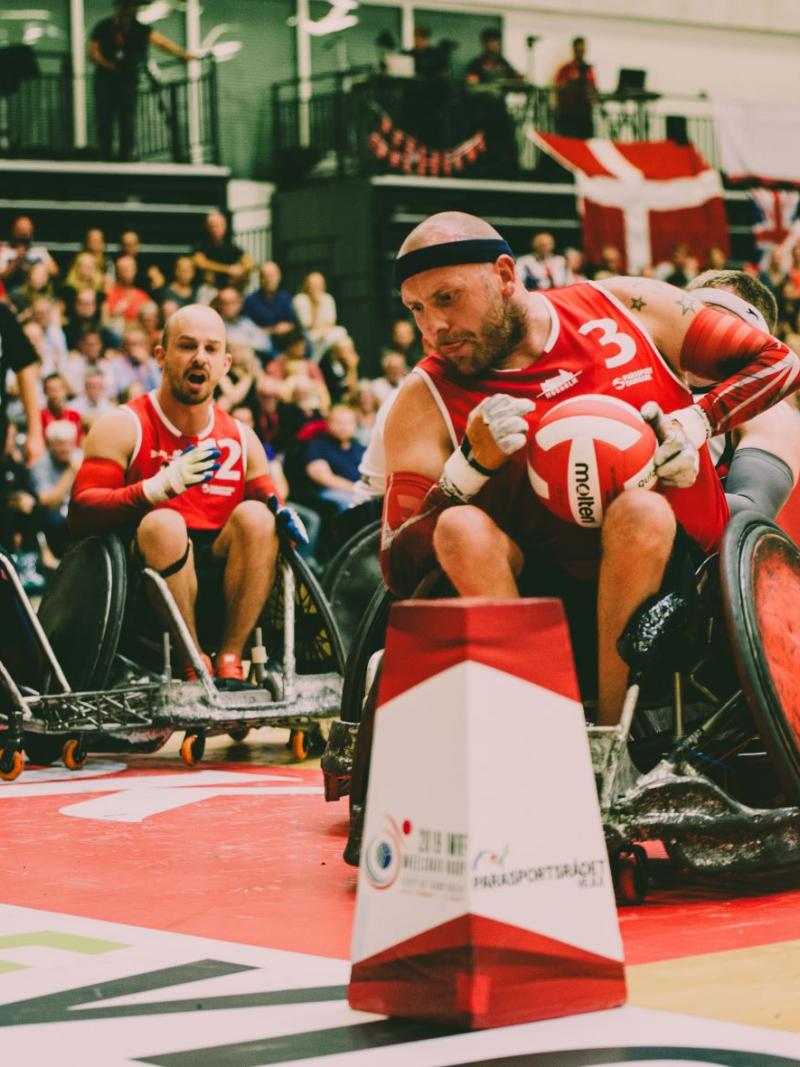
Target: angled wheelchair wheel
[
  {"x": 370, "y": 637},
  {"x": 351, "y": 579},
  {"x": 318, "y": 645},
  {"x": 760, "y": 572},
  {"x": 82, "y": 611}
]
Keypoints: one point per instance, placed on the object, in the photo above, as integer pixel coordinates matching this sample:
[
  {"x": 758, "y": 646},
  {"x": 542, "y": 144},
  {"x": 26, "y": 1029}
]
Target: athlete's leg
[
  {"x": 475, "y": 554},
  {"x": 162, "y": 540},
  {"x": 249, "y": 544},
  {"x": 638, "y": 535}
]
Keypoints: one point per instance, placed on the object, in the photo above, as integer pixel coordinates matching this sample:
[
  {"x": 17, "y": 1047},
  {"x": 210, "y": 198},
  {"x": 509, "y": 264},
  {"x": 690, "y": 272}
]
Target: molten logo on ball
[{"x": 585, "y": 452}]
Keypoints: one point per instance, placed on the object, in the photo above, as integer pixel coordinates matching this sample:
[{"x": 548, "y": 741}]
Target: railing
[
  {"x": 361, "y": 122},
  {"x": 36, "y": 117}
]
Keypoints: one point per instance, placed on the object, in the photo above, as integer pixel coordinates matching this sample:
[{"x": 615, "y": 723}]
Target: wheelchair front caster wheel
[
  {"x": 239, "y": 735},
  {"x": 299, "y": 744},
  {"x": 192, "y": 748},
  {"x": 74, "y": 754},
  {"x": 630, "y": 875},
  {"x": 11, "y": 763}
]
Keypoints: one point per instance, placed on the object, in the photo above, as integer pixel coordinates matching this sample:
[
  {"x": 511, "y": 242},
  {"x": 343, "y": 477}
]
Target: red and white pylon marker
[{"x": 484, "y": 893}]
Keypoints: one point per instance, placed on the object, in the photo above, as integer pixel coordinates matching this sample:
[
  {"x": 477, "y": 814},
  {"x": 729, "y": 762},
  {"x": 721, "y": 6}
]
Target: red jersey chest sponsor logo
[{"x": 224, "y": 481}]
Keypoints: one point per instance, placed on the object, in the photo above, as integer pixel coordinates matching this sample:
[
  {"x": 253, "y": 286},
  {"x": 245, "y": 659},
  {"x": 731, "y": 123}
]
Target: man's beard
[
  {"x": 183, "y": 395},
  {"x": 503, "y": 329}
]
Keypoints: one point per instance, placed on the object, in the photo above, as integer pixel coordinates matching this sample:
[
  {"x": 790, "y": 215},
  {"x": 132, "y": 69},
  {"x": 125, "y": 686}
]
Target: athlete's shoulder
[{"x": 112, "y": 436}]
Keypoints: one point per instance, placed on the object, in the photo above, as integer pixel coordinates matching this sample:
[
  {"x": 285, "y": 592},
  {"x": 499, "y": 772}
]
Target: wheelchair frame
[{"x": 141, "y": 715}]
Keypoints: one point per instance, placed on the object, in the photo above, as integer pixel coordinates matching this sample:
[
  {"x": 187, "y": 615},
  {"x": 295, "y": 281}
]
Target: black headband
[{"x": 474, "y": 250}]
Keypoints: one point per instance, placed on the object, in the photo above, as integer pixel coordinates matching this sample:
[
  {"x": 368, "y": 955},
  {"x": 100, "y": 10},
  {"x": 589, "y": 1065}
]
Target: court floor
[{"x": 152, "y": 913}]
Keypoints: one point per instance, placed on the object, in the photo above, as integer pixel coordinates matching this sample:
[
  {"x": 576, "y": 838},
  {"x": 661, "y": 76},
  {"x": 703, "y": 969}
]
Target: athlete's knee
[
  {"x": 638, "y": 520},
  {"x": 252, "y": 520},
  {"x": 162, "y": 536},
  {"x": 463, "y": 534}
]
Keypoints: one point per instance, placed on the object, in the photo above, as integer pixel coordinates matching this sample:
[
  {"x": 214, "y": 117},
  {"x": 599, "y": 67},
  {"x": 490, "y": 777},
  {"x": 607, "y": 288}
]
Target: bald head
[
  {"x": 444, "y": 227},
  {"x": 190, "y": 319}
]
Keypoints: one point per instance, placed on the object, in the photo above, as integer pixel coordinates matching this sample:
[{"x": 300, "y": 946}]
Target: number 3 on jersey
[{"x": 610, "y": 335}]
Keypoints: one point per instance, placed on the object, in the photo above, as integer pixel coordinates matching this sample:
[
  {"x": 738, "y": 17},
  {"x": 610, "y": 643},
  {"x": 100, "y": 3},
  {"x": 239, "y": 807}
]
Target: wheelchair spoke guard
[
  {"x": 318, "y": 646},
  {"x": 352, "y": 577},
  {"x": 760, "y": 571}
]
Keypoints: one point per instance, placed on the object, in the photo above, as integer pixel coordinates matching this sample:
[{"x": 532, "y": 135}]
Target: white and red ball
[{"x": 585, "y": 451}]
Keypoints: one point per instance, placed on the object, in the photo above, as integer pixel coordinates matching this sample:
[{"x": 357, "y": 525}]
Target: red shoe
[
  {"x": 229, "y": 667},
  {"x": 190, "y": 674}
]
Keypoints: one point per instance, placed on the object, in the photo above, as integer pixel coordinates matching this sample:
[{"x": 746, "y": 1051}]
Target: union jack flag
[{"x": 775, "y": 216}]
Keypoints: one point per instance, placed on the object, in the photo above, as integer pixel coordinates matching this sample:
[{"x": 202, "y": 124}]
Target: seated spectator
[
  {"x": 83, "y": 316},
  {"x": 366, "y": 408},
  {"x": 18, "y": 523},
  {"x": 301, "y": 409},
  {"x": 133, "y": 366},
  {"x": 95, "y": 400},
  {"x": 679, "y": 269},
  {"x": 84, "y": 273},
  {"x": 20, "y": 253},
  {"x": 149, "y": 318},
  {"x": 238, "y": 386},
  {"x": 56, "y": 409},
  {"x": 240, "y": 330},
  {"x": 38, "y": 283},
  {"x": 231, "y": 265},
  {"x": 148, "y": 276},
  {"x": 182, "y": 289},
  {"x": 89, "y": 356},
  {"x": 716, "y": 259},
  {"x": 48, "y": 314},
  {"x": 576, "y": 265},
  {"x": 394, "y": 369},
  {"x": 333, "y": 457},
  {"x": 794, "y": 265},
  {"x": 404, "y": 340},
  {"x": 271, "y": 308},
  {"x": 294, "y": 362},
  {"x": 123, "y": 299},
  {"x": 610, "y": 264},
  {"x": 316, "y": 312},
  {"x": 94, "y": 242},
  {"x": 206, "y": 290},
  {"x": 53, "y": 475},
  {"x": 774, "y": 274},
  {"x": 543, "y": 268},
  {"x": 339, "y": 368}
]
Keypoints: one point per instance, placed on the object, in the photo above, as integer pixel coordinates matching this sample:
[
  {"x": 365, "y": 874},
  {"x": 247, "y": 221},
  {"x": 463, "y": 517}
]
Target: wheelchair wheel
[
  {"x": 760, "y": 569},
  {"x": 370, "y": 638},
  {"x": 82, "y": 611},
  {"x": 352, "y": 577},
  {"x": 318, "y": 645}
]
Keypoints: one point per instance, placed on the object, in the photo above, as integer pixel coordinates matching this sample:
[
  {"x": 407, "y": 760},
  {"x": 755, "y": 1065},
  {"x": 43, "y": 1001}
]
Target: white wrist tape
[
  {"x": 695, "y": 424},
  {"x": 460, "y": 479},
  {"x": 157, "y": 489}
]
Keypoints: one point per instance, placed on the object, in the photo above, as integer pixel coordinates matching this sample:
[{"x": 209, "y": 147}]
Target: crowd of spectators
[{"x": 297, "y": 376}]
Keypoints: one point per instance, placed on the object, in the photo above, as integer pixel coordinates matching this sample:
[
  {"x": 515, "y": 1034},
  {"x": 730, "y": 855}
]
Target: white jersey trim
[
  {"x": 174, "y": 429},
  {"x": 555, "y": 323},
  {"x": 138, "y": 424},
  {"x": 240, "y": 427},
  {"x": 642, "y": 329},
  {"x": 439, "y": 403}
]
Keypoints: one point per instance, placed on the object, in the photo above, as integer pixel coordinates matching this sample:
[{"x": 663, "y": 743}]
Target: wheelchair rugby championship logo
[{"x": 383, "y": 858}]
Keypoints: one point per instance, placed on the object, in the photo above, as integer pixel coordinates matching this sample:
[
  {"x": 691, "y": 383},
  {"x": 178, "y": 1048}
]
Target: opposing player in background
[
  {"x": 188, "y": 482},
  {"x": 458, "y": 494}
]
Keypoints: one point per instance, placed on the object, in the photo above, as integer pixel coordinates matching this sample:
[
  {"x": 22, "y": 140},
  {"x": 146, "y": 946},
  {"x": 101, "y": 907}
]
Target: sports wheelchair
[
  {"x": 706, "y": 757},
  {"x": 93, "y": 671}
]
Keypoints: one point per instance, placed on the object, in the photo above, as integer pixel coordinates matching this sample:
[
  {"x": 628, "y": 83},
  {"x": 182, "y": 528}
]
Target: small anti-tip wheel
[
  {"x": 631, "y": 879},
  {"x": 74, "y": 755},
  {"x": 298, "y": 742},
  {"x": 192, "y": 748},
  {"x": 239, "y": 735},
  {"x": 11, "y": 763}
]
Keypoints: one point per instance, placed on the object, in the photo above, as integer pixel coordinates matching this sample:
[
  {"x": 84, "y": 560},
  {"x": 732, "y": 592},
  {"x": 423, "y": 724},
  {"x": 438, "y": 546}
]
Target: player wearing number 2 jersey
[
  {"x": 457, "y": 493},
  {"x": 189, "y": 482}
]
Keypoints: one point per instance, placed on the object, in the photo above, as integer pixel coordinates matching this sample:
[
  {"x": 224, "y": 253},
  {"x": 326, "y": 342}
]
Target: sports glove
[
  {"x": 495, "y": 430},
  {"x": 195, "y": 464},
  {"x": 680, "y": 435},
  {"x": 288, "y": 522}
]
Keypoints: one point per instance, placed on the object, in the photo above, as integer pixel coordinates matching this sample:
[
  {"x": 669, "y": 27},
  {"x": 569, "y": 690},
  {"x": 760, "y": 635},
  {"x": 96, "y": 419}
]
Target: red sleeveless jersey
[
  {"x": 595, "y": 346},
  {"x": 206, "y": 506}
]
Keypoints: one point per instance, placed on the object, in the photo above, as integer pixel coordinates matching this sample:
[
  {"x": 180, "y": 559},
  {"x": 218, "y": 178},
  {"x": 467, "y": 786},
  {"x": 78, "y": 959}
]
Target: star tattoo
[
  {"x": 687, "y": 306},
  {"x": 637, "y": 303}
]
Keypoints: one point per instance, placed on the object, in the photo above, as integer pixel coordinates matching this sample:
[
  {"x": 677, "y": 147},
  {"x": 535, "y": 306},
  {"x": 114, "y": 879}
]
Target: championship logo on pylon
[{"x": 484, "y": 895}]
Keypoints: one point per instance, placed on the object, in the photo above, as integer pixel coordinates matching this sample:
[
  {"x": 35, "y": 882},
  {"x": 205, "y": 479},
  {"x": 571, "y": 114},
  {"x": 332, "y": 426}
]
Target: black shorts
[{"x": 544, "y": 575}]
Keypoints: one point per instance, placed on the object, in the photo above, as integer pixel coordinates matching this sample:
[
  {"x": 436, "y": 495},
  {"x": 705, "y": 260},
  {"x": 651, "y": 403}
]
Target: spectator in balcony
[
  {"x": 404, "y": 339},
  {"x": 333, "y": 457},
  {"x": 610, "y": 264},
  {"x": 542, "y": 268},
  {"x": 56, "y": 409},
  {"x": 118, "y": 49},
  {"x": 429, "y": 61},
  {"x": 84, "y": 273},
  {"x": 575, "y": 94},
  {"x": 231, "y": 265},
  {"x": 182, "y": 289},
  {"x": 84, "y": 315},
  {"x": 491, "y": 66},
  {"x": 339, "y": 368},
  {"x": 134, "y": 366},
  {"x": 53, "y": 475},
  {"x": 124, "y": 298},
  {"x": 95, "y": 400},
  {"x": 19, "y": 254},
  {"x": 271, "y": 307},
  {"x": 240, "y": 330},
  {"x": 395, "y": 369},
  {"x": 316, "y": 311}
]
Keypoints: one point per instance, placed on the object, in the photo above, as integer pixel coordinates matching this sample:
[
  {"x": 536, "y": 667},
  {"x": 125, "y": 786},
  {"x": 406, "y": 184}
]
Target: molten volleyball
[{"x": 585, "y": 451}]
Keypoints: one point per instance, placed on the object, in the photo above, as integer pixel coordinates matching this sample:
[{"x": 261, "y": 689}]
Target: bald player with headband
[
  {"x": 189, "y": 483},
  {"x": 458, "y": 493}
]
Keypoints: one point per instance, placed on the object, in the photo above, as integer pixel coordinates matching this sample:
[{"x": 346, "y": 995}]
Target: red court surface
[{"x": 253, "y": 855}]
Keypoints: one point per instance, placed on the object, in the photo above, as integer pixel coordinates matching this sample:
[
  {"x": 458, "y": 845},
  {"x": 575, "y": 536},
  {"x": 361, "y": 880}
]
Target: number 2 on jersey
[{"x": 610, "y": 335}]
